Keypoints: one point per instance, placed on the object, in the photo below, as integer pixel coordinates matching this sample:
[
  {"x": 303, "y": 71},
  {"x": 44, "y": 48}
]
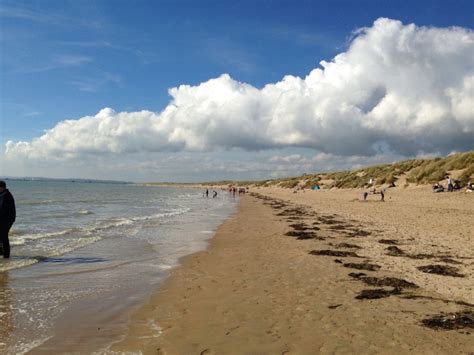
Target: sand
[{"x": 259, "y": 291}]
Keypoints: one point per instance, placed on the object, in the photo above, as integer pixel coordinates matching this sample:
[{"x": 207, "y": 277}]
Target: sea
[{"x": 88, "y": 253}]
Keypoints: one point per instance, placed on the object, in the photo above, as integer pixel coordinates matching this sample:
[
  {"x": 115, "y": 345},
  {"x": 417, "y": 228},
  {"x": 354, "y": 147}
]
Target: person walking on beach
[
  {"x": 207, "y": 192},
  {"x": 7, "y": 217}
]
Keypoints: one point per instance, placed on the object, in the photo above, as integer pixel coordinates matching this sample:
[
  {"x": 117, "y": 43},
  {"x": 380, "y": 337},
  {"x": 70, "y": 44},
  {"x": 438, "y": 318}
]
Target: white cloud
[{"x": 398, "y": 89}]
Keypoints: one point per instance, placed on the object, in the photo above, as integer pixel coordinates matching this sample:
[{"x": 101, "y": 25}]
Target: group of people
[
  {"x": 375, "y": 192},
  {"x": 214, "y": 193},
  {"x": 231, "y": 189},
  {"x": 452, "y": 185},
  {"x": 7, "y": 218}
]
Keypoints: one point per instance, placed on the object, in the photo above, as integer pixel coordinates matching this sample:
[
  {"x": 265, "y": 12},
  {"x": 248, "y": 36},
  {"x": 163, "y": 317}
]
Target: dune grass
[{"x": 416, "y": 171}]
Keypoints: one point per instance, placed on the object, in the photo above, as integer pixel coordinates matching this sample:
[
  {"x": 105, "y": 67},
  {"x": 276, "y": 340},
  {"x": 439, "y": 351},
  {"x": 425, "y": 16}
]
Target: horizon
[
  {"x": 172, "y": 91},
  {"x": 86, "y": 179}
]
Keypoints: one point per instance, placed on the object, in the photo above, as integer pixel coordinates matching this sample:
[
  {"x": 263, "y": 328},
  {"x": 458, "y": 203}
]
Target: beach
[{"x": 258, "y": 291}]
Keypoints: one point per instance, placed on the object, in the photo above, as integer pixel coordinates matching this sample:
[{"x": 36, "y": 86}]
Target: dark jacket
[{"x": 7, "y": 208}]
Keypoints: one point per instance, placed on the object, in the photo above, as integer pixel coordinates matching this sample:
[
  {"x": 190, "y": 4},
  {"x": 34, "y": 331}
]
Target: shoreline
[
  {"x": 256, "y": 290},
  {"x": 87, "y": 296}
]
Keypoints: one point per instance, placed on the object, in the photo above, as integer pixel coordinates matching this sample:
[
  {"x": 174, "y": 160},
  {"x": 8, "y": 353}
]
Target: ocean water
[{"x": 87, "y": 252}]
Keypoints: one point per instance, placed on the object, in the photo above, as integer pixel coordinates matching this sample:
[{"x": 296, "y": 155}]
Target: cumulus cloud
[{"x": 397, "y": 89}]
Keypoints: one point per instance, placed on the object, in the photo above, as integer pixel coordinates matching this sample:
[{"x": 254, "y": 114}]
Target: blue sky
[{"x": 69, "y": 59}]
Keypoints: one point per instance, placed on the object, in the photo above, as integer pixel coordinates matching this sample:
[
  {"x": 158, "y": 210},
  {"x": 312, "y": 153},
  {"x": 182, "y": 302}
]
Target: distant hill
[
  {"x": 90, "y": 181},
  {"x": 403, "y": 173}
]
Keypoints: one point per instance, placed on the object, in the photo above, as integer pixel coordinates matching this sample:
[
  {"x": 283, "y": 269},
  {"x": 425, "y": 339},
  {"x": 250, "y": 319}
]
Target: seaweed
[
  {"x": 449, "y": 261},
  {"x": 387, "y": 281},
  {"x": 377, "y": 293},
  {"x": 440, "y": 270},
  {"x": 395, "y": 251},
  {"x": 450, "y": 321},
  {"x": 299, "y": 226},
  {"x": 357, "y": 275},
  {"x": 300, "y": 235},
  {"x": 347, "y": 245},
  {"x": 362, "y": 266},
  {"x": 358, "y": 233},
  {"x": 334, "y": 253}
]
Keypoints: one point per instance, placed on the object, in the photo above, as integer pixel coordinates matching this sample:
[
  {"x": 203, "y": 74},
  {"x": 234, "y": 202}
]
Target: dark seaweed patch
[
  {"x": 395, "y": 251},
  {"x": 377, "y": 293},
  {"x": 387, "y": 281},
  {"x": 357, "y": 275},
  {"x": 338, "y": 227},
  {"x": 347, "y": 245},
  {"x": 334, "y": 253},
  {"x": 362, "y": 266},
  {"x": 334, "y": 306},
  {"x": 358, "y": 233},
  {"x": 302, "y": 235},
  {"x": 440, "y": 270},
  {"x": 450, "y": 321},
  {"x": 299, "y": 226},
  {"x": 293, "y": 212},
  {"x": 449, "y": 261},
  {"x": 338, "y": 261}
]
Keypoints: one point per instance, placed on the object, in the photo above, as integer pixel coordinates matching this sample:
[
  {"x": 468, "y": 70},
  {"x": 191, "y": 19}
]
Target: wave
[
  {"x": 16, "y": 262},
  {"x": 19, "y": 238},
  {"x": 163, "y": 214},
  {"x": 15, "y": 232},
  {"x": 82, "y": 237},
  {"x": 83, "y": 213},
  {"x": 22, "y": 239}
]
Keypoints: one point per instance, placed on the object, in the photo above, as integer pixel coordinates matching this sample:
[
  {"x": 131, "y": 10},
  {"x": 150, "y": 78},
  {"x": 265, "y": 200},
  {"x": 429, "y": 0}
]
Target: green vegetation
[
  {"x": 415, "y": 171},
  {"x": 434, "y": 170}
]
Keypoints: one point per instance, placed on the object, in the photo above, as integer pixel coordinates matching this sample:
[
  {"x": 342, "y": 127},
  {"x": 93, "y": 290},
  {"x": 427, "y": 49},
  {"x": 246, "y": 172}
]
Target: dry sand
[{"x": 259, "y": 291}]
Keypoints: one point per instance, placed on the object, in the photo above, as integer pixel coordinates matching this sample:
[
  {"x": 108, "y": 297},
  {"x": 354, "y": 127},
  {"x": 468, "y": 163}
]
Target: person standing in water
[{"x": 7, "y": 217}]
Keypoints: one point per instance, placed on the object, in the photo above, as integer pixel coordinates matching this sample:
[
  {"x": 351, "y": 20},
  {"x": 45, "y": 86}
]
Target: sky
[{"x": 211, "y": 90}]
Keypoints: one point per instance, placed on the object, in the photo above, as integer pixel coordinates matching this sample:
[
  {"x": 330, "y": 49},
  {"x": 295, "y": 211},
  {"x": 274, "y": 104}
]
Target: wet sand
[{"x": 322, "y": 272}]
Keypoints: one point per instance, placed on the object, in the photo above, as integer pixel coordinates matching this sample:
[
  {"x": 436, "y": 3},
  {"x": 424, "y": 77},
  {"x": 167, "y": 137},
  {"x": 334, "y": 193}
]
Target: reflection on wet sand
[{"x": 6, "y": 316}]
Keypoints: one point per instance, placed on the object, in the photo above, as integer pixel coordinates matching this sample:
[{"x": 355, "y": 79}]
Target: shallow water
[{"x": 88, "y": 252}]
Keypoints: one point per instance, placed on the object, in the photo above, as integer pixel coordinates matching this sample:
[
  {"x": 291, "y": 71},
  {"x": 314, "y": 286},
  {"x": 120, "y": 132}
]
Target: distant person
[
  {"x": 207, "y": 192},
  {"x": 450, "y": 184},
  {"x": 382, "y": 195},
  {"x": 214, "y": 195},
  {"x": 365, "y": 195},
  {"x": 7, "y": 217}
]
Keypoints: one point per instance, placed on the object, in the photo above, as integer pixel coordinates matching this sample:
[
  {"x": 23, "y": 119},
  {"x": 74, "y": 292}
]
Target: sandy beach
[{"x": 257, "y": 290}]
